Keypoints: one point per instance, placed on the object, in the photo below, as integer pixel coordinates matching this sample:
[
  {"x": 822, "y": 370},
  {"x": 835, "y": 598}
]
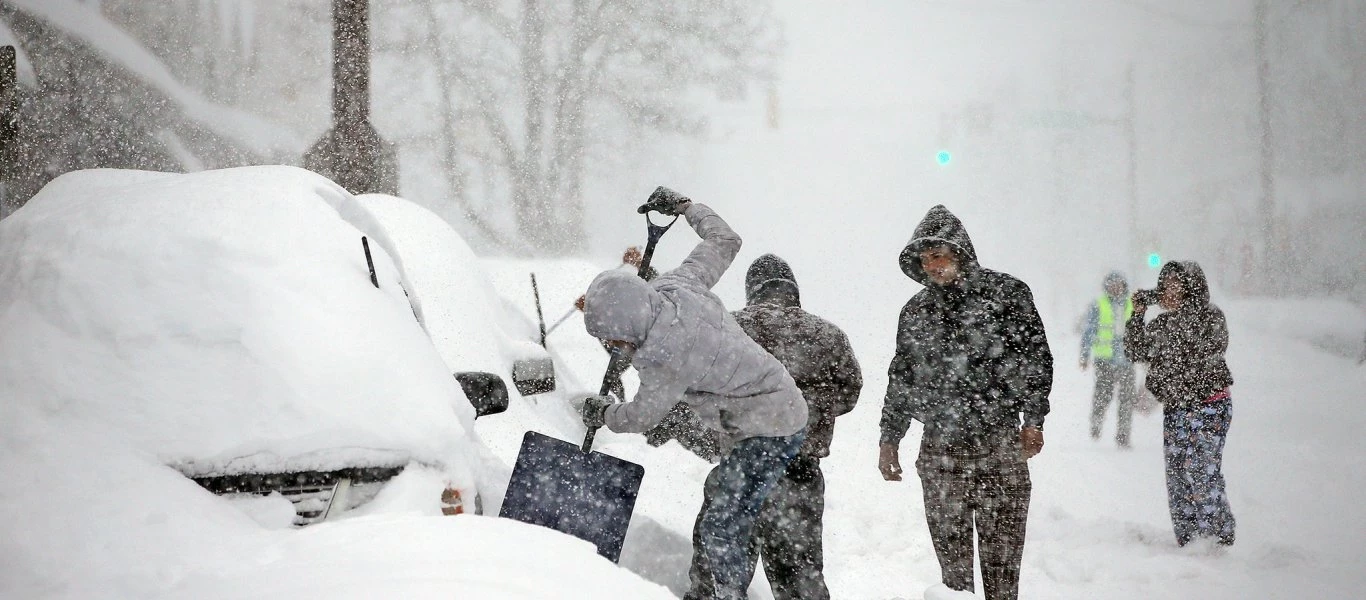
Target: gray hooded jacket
[{"x": 690, "y": 349}]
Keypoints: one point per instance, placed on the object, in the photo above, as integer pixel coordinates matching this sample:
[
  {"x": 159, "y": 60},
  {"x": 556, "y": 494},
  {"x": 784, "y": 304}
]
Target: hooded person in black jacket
[
  {"x": 973, "y": 365},
  {"x": 1184, "y": 348},
  {"x": 819, "y": 357}
]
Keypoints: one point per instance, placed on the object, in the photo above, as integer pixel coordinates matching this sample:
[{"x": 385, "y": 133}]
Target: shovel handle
[{"x": 653, "y": 233}]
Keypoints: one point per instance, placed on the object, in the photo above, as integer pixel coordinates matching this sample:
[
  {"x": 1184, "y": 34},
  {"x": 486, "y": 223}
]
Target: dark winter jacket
[
  {"x": 971, "y": 357},
  {"x": 1184, "y": 348},
  {"x": 816, "y": 353}
]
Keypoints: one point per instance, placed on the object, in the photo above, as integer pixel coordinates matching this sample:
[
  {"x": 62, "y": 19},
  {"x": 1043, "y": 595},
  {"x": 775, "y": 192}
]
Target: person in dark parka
[
  {"x": 1184, "y": 348},
  {"x": 819, "y": 357},
  {"x": 973, "y": 365}
]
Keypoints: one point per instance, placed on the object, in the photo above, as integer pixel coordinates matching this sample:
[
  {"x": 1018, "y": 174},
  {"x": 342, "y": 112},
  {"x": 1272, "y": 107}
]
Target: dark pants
[
  {"x": 1107, "y": 375},
  {"x": 1194, "y": 448},
  {"x": 988, "y": 490},
  {"x": 788, "y": 534},
  {"x": 734, "y": 492}
]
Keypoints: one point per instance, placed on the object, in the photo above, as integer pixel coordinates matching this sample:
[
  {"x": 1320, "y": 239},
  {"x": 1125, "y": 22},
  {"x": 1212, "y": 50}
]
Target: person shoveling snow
[{"x": 688, "y": 349}]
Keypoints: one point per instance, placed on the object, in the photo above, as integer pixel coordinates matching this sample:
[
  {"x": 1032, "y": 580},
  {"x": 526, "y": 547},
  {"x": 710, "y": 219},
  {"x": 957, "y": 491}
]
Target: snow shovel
[{"x": 573, "y": 490}]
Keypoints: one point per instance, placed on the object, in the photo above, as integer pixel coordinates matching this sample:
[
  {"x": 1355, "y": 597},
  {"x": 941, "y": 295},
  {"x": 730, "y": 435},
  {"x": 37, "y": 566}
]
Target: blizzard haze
[{"x": 1072, "y": 137}]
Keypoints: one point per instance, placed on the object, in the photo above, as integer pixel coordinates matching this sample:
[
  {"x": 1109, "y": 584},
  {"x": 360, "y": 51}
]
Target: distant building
[{"x": 91, "y": 96}]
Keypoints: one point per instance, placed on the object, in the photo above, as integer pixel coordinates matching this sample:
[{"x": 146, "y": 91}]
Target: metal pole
[
  {"x": 350, "y": 62},
  {"x": 352, "y": 152}
]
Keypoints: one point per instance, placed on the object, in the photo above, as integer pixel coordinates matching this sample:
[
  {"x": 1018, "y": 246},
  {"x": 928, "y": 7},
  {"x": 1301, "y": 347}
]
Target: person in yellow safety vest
[{"x": 1103, "y": 342}]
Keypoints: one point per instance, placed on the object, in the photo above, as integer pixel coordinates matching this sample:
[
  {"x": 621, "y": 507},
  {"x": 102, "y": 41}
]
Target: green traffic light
[
  {"x": 1154, "y": 260},
  {"x": 943, "y": 157}
]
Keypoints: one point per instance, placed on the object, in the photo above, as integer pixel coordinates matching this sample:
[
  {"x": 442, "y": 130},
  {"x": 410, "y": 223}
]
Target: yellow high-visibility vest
[{"x": 1103, "y": 348}]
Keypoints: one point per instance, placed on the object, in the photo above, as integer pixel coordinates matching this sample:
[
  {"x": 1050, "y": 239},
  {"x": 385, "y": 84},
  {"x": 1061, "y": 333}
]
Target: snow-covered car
[
  {"x": 158, "y": 330},
  {"x": 236, "y": 325}
]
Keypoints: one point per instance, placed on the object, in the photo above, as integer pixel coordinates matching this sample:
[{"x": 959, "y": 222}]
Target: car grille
[{"x": 313, "y": 493}]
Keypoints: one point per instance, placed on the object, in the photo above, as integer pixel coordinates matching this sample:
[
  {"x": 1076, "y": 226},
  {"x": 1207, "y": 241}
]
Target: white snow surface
[
  {"x": 1098, "y": 525},
  {"x": 187, "y": 310},
  {"x": 226, "y": 320}
]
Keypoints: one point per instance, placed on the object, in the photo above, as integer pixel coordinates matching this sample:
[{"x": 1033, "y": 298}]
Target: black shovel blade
[{"x": 588, "y": 495}]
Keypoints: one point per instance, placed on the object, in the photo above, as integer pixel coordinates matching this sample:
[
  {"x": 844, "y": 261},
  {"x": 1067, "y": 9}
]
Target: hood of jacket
[
  {"x": 939, "y": 227},
  {"x": 1192, "y": 279},
  {"x": 621, "y": 306},
  {"x": 769, "y": 280}
]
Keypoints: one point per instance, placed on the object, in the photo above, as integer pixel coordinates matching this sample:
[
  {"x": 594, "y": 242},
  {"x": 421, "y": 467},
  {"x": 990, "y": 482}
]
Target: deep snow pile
[{"x": 224, "y": 321}]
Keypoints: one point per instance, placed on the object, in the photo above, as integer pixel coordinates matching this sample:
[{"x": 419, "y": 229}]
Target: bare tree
[{"x": 531, "y": 91}]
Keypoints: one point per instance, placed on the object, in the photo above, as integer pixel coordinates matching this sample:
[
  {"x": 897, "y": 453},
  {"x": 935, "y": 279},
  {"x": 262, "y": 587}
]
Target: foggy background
[
  {"x": 1081, "y": 136},
  {"x": 1072, "y": 137}
]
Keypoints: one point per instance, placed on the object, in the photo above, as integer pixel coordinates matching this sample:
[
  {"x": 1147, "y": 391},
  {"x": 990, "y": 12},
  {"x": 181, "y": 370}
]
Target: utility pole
[
  {"x": 1267, "y": 206},
  {"x": 352, "y": 153}
]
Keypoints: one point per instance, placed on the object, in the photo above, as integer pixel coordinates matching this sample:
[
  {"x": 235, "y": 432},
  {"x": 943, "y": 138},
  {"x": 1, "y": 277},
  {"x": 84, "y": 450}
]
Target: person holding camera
[
  {"x": 689, "y": 350},
  {"x": 1184, "y": 348}
]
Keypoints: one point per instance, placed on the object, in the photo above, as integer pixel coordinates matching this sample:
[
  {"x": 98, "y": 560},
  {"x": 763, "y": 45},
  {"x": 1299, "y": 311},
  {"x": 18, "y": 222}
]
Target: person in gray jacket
[{"x": 688, "y": 349}]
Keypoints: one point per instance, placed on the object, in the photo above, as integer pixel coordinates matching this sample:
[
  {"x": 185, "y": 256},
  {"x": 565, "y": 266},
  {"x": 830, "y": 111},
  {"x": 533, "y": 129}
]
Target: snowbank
[
  {"x": 465, "y": 557},
  {"x": 221, "y": 321},
  {"x": 225, "y": 320},
  {"x": 1333, "y": 326}
]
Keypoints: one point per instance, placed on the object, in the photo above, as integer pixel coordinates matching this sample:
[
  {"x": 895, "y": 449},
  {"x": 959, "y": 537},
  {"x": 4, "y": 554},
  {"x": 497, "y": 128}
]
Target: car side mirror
[
  {"x": 488, "y": 393},
  {"x": 533, "y": 376}
]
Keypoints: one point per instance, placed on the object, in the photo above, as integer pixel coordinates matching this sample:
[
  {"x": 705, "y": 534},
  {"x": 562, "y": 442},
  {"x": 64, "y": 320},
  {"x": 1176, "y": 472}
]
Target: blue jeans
[
  {"x": 1193, "y": 443},
  {"x": 735, "y": 491}
]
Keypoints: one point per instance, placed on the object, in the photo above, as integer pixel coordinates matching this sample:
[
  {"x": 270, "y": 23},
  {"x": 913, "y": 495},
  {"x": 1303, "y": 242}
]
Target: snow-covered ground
[
  {"x": 118, "y": 296},
  {"x": 1098, "y": 519}
]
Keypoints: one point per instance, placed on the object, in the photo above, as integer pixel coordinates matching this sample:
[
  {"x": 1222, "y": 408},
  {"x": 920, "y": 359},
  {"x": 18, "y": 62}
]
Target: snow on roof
[
  {"x": 84, "y": 21},
  {"x": 222, "y": 321},
  {"x": 26, "y": 75}
]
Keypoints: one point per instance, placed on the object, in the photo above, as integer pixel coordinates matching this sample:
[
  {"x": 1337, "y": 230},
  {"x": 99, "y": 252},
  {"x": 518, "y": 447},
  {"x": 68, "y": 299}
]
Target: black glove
[
  {"x": 1146, "y": 297},
  {"x": 665, "y": 201},
  {"x": 594, "y": 411},
  {"x": 685, "y": 426}
]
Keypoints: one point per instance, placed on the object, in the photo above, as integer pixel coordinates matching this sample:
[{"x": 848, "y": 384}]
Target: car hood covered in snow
[
  {"x": 223, "y": 322},
  {"x": 226, "y": 320}
]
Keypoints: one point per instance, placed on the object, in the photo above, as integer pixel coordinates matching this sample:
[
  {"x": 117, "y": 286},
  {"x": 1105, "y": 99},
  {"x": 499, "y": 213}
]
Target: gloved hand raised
[
  {"x": 594, "y": 411},
  {"x": 665, "y": 201}
]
